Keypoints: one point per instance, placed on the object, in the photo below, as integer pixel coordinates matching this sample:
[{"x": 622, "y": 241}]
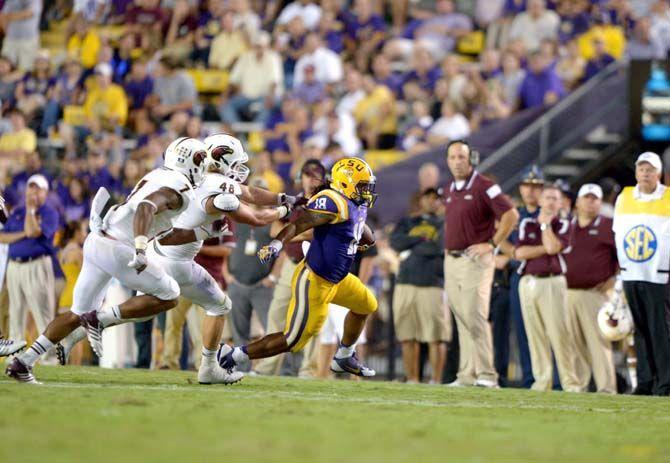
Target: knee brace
[{"x": 221, "y": 309}]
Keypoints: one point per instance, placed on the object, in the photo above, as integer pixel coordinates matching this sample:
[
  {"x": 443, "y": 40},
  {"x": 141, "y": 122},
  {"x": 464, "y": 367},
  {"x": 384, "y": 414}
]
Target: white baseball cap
[
  {"x": 590, "y": 189},
  {"x": 39, "y": 180},
  {"x": 104, "y": 69},
  {"x": 651, "y": 158}
]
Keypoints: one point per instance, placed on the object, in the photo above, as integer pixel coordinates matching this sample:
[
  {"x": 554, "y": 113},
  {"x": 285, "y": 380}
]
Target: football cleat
[
  {"x": 93, "y": 328},
  {"x": 10, "y": 347},
  {"x": 225, "y": 358},
  {"x": 64, "y": 347},
  {"x": 351, "y": 365},
  {"x": 214, "y": 374},
  {"x": 21, "y": 372}
]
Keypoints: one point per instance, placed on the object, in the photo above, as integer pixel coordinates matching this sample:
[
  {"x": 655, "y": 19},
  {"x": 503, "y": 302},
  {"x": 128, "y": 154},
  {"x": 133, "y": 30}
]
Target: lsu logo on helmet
[
  {"x": 353, "y": 178},
  {"x": 640, "y": 243}
]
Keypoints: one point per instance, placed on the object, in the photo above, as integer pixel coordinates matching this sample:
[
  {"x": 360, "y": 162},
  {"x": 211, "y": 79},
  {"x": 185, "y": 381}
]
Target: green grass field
[{"x": 91, "y": 414}]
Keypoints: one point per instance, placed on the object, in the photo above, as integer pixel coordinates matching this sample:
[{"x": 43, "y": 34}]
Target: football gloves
[{"x": 270, "y": 252}]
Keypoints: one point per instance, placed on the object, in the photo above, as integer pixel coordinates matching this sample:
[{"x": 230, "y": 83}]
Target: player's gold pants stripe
[{"x": 300, "y": 296}]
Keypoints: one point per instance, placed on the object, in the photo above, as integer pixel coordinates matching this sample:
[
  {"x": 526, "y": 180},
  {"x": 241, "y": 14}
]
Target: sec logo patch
[{"x": 640, "y": 243}]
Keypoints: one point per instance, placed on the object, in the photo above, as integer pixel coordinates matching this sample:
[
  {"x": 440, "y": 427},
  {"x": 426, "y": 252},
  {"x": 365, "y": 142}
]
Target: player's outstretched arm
[
  {"x": 154, "y": 203},
  {"x": 306, "y": 221},
  {"x": 242, "y": 213},
  {"x": 261, "y": 197}
]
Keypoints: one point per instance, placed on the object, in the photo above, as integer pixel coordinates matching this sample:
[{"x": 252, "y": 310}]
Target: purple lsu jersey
[{"x": 335, "y": 244}]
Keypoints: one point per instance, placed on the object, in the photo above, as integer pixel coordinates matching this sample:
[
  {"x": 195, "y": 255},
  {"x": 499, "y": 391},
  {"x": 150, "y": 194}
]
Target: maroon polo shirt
[
  {"x": 212, "y": 264},
  {"x": 470, "y": 212},
  {"x": 530, "y": 234},
  {"x": 592, "y": 257}
]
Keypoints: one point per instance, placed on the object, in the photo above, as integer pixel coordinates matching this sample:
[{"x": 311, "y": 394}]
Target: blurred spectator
[
  {"x": 84, "y": 44},
  {"x": 570, "y": 67},
  {"x": 19, "y": 20},
  {"x": 173, "y": 91},
  {"x": 452, "y": 83},
  {"x": 264, "y": 169},
  {"x": 75, "y": 201},
  {"x": 310, "y": 90},
  {"x": 541, "y": 86},
  {"x": 535, "y": 24},
  {"x": 332, "y": 31},
  {"x": 32, "y": 89},
  {"x": 8, "y": 81},
  {"x": 376, "y": 116},
  {"x": 326, "y": 63},
  {"x": 365, "y": 33},
  {"x": 384, "y": 74},
  {"x": 451, "y": 126},
  {"x": 30, "y": 231},
  {"x": 575, "y": 19},
  {"x": 489, "y": 64},
  {"x": 428, "y": 176},
  {"x": 438, "y": 32},
  {"x": 250, "y": 284},
  {"x": 67, "y": 90},
  {"x": 31, "y": 165},
  {"x": 181, "y": 33},
  {"x": 255, "y": 81},
  {"x": 105, "y": 106},
  {"x": 600, "y": 60},
  {"x": 146, "y": 20},
  {"x": 645, "y": 43},
  {"x": 97, "y": 174},
  {"x": 492, "y": 106},
  {"x": 227, "y": 45},
  {"x": 415, "y": 128},
  {"x": 660, "y": 22},
  {"x": 510, "y": 79},
  {"x": 423, "y": 76},
  {"x": 336, "y": 128},
  {"x": 122, "y": 58},
  {"x": 139, "y": 86},
  {"x": 17, "y": 142},
  {"x": 419, "y": 312},
  {"x": 305, "y": 9},
  {"x": 90, "y": 10},
  {"x": 611, "y": 190},
  {"x": 354, "y": 93},
  {"x": 210, "y": 23},
  {"x": 245, "y": 18}
]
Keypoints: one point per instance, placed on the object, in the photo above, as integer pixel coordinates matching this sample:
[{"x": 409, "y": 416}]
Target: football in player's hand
[{"x": 367, "y": 238}]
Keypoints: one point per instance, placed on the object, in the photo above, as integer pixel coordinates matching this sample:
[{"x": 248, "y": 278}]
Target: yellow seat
[
  {"x": 472, "y": 43},
  {"x": 383, "y": 158},
  {"x": 209, "y": 80},
  {"x": 74, "y": 115}
]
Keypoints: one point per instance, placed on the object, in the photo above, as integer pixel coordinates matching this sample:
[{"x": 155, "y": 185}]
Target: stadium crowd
[{"x": 299, "y": 81}]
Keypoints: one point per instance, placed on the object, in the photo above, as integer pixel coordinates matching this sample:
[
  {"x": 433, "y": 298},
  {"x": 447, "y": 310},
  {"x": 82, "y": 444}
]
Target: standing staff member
[
  {"x": 592, "y": 265},
  {"x": 472, "y": 205},
  {"x": 544, "y": 292},
  {"x": 29, "y": 231},
  {"x": 642, "y": 233}
]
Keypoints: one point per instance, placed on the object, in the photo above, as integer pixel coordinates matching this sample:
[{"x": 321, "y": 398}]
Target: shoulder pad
[
  {"x": 217, "y": 183},
  {"x": 329, "y": 202},
  {"x": 167, "y": 178}
]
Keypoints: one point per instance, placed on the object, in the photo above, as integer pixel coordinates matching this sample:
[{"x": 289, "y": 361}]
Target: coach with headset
[{"x": 473, "y": 204}]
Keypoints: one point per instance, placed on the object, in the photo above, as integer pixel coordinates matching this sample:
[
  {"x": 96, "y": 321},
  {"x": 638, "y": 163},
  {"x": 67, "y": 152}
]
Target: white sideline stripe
[{"x": 238, "y": 392}]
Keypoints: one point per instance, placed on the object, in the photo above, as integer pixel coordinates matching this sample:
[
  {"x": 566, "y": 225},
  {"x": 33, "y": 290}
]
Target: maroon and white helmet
[
  {"x": 188, "y": 156},
  {"x": 227, "y": 155},
  {"x": 614, "y": 317}
]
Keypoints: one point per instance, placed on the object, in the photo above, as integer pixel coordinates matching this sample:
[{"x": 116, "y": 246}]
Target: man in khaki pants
[
  {"x": 472, "y": 205},
  {"x": 543, "y": 291},
  {"x": 592, "y": 264},
  {"x": 29, "y": 231}
]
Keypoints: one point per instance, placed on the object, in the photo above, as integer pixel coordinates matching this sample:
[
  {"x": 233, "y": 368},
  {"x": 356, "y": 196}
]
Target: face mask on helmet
[
  {"x": 219, "y": 157},
  {"x": 365, "y": 193}
]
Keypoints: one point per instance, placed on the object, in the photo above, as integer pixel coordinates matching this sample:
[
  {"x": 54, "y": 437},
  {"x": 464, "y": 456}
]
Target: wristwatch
[{"x": 543, "y": 226}]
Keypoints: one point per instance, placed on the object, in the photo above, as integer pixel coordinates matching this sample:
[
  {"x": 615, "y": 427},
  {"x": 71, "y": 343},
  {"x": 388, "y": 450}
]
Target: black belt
[
  {"x": 456, "y": 254},
  {"x": 25, "y": 260},
  {"x": 546, "y": 275}
]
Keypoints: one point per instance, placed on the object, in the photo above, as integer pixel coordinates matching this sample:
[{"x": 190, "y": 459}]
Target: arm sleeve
[
  {"x": 49, "y": 222},
  {"x": 562, "y": 230},
  {"x": 496, "y": 199}
]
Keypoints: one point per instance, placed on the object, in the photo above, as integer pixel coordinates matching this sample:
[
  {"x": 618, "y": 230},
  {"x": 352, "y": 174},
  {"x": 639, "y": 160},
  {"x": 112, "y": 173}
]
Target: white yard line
[{"x": 242, "y": 393}]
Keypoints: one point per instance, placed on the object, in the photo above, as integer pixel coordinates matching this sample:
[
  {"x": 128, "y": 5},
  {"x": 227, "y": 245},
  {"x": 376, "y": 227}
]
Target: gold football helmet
[{"x": 353, "y": 178}]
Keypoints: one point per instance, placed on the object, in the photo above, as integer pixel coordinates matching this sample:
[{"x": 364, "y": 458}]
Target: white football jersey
[
  {"x": 195, "y": 216},
  {"x": 119, "y": 221}
]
